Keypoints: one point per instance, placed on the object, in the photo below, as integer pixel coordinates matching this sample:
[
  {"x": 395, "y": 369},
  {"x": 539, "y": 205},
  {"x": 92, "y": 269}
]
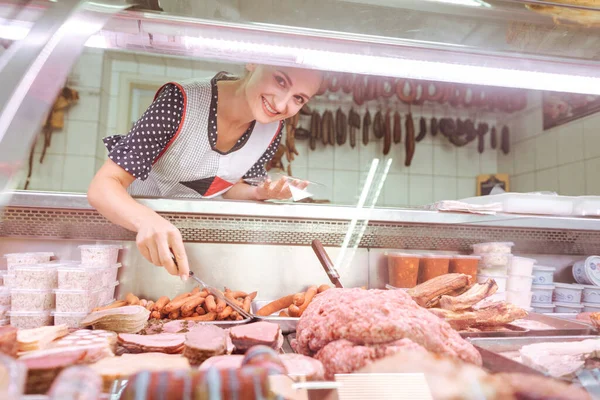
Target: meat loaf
[
  {"x": 259, "y": 333},
  {"x": 204, "y": 342},
  {"x": 376, "y": 317},
  {"x": 169, "y": 343}
]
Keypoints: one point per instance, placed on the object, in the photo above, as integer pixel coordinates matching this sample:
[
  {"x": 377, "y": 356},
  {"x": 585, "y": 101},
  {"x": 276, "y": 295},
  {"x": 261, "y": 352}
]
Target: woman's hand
[
  {"x": 158, "y": 241},
  {"x": 279, "y": 190}
]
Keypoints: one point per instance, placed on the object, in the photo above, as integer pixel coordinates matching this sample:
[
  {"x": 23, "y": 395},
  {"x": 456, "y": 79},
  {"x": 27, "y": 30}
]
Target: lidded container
[
  {"x": 30, "y": 319},
  {"x": 13, "y": 259},
  {"x": 31, "y": 299},
  {"x": 4, "y": 296},
  {"x": 433, "y": 265},
  {"x": 39, "y": 276},
  {"x": 465, "y": 265},
  {"x": 591, "y": 294},
  {"x": 521, "y": 266},
  {"x": 403, "y": 269},
  {"x": 567, "y": 293},
  {"x": 543, "y": 275},
  {"x": 587, "y": 272},
  {"x": 70, "y": 319},
  {"x": 82, "y": 301},
  {"x": 85, "y": 277},
  {"x": 493, "y": 247},
  {"x": 542, "y": 294},
  {"x": 100, "y": 255}
]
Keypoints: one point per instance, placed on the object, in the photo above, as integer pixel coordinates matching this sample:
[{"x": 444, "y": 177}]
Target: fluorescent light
[
  {"x": 470, "y": 3},
  {"x": 20, "y": 31}
]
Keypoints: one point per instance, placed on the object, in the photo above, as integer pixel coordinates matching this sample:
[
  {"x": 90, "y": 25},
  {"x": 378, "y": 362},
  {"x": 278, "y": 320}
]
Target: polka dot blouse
[{"x": 150, "y": 135}]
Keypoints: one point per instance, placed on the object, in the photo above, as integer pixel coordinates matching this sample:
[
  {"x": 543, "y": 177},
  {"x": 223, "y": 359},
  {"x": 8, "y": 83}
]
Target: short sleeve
[
  {"x": 150, "y": 135},
  {"x": 258, "y": 169}
]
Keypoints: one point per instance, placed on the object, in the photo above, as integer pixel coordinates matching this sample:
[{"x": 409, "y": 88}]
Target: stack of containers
[
  {"x": 86, "y": 285},
  {"x": 587, "y": 273},
  {"x": 520, "y": 282},
  {"x": 567, "y": 298},
  {"x": 542, "y": 289},
  {"x": 31, "y": 278},
  {"x": 496, "y": 258}
]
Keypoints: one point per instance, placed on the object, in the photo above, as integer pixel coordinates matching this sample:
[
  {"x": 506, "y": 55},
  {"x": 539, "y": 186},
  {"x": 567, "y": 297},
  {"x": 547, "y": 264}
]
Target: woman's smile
[{"x": 268, "y": 109}]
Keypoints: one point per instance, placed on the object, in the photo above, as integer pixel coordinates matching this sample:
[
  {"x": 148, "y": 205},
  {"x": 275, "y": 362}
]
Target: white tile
[
  {"x": 422, "y": 162},
  {"x": 321, "y": 157},
  {"x": 149, "y": 65},
  {"x": 547, "y": 180},
  {"x": 47, "y": 176},
  {"x": 346, "y": 158},
  {"x": 546, "y": 150},
  {"x": 506, "y": 163},
  {"x": 87, "y": 72},
  {"x": 77, "y": 174},
  {"x": 467, "y": 162},
  {"x": 179, "y": 68},
  {"x": 325, "y": 178},
  {"x": 58, "y": 143},
  {"x": 420, "y": 190},
  {"x": 301, "y": 159},
  {"x": 86, "y": 109},
  {"x": 534, "y": 122},
  {"x": 571, "y": 179},
  {"x": 488, "y": 161},
  {"x": 592, "y": 180},
  {"x": 101, "y": 151},
  {"x": 366, "y": 154},
  {"x": 444, "y": 160},
  {"x": 112, "y": 114},
  {"x": 523, "y": 183},
  {"x": 444, "y": 188},
  {"x": 82, "y": 138},
  {"x": 345, "y": 187},
  {"x": 466, "y": 187},
  {"x": 397, "y": 154},
  {"x": 524, "y": 156},
  {"x": 591, "y": 136},
  {"x": 301, "y": 173},
  {"x": 124, "y": 66},
  {"x": 395, "y": 191},
  {"x": 570, "y": 142}
]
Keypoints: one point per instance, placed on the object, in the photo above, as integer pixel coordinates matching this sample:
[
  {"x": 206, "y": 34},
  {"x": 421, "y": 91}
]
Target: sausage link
[
  {"x": 365, "y": 128},
  {"x": 378, "y": 125},
  {"x": 422, "y": 130},
  {"x": 397, "y": 128},
  {"x": 387, "y": 138},
  {"x": 493, "y": 138},
  {"x": 409, "y": 144}
]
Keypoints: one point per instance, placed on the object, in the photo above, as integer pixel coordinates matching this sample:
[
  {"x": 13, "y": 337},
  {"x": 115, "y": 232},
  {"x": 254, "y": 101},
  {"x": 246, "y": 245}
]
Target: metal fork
[{"x": 590, "y": 380}]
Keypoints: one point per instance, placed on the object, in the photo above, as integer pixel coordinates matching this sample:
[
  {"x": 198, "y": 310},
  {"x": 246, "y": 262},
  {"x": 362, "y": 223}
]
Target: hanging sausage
[
  {"x": 505, "y": 140},
  {"x": 433, "y": 126},
  {"x": 365, "y": 128},
  {"x": 387, "y": 138},
  {"x": 493, "y": 139},
  {"x": 422, "y": 130},
  {"x": 397, "y": 128},
  {"x": 378, "y": 125},
  {"x": 409, "y": 143}
]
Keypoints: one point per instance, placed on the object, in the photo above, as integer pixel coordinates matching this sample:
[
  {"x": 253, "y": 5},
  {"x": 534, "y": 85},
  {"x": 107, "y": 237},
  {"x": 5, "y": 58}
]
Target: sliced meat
[
  {"x": 76, "y": 383},
  {"x": 258, "y": 333},
  {"x": 204, "y": 342},
  {"x": 298, "y": 365},
  {"x": 169, "y": 343},
  {"x": 496, "y": 314},
  {"x": 8, "y": 341},
  {"x": 428, "y": 294},
  {"x": 474, "y": 295},
  {"x": 233, "y": 361}
]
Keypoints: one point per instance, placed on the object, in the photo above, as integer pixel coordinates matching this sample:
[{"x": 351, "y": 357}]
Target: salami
[
  {"x": 397, "y": 128},
  {"x": 365, "y": 128},
  {"x": 409, "y": 143},
  {"x": 387, "y": 138},
  {"x": 493, "y": 139},
  {"x": 378, "y": 130},
  {"x": 422, "y": 130}
]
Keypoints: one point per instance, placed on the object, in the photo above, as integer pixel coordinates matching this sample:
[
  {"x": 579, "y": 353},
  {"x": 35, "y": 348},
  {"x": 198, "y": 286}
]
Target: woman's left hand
[{"x": 279, "y": 190}]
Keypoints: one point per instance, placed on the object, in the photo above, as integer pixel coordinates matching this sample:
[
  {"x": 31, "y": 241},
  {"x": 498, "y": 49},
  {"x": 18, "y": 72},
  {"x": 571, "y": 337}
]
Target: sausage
[
  {"x": 385, "y": 87},
  {"x": 419, "y": 94},
  {"x": 299, "y": 298},
  {"x": 493, "y": 139},
  {"x": 331, "y": 128},
  {"x": 220, "y": 304},
  {"x": 311, "y": 292},
  {"x": 284, "y": 314},
  {"x": 422, "y": 130},
  {"x": 409, "y": 144},
  {"x": 480, "y": 143},
  {"x": 324, "y": 84},
  {"x": 505, "y": 140},
  {"x": 253, "y": 295},
  {"x": 397, "y": 128},
  {"x": 323, "y": 288},
  {"x": 378, "y": 125},
  {"x": 412, "y": 92},
  {"x": 143, "y": 303},
  {"x": 354, "y": 122},
  {"x": 294, "y": 311},
  {"x": 341, "y": 127},
  {"x": 347, "y": 83},
  {"x": 200, "y": 310},
  {"x": 155, "y": 315},
  {"x": 352, "y": 135},
  {"x": 175, "y": 304},
  {"x": 211, "y": 316},
  {"x": 438, "y": 91},
  {"x": 149, "y": 305},
  {"x": 275, "y": 306},
  {"x": 457, "y": 96},
  {"x": 115, "y": 304},
  {"x": 433, "y": 126},
  {"x": 132, "y": 299},
  {"x": 371, "y": 90},
  {"x": 174, "y": 314},
  {"x": 365, "y": 128},
  {"x": 359, "y": 91},
  {"x": 387, "y": 138},
  {"x": 237, "y": 294},
  {"x": 160, "y": 303},
  {"x": 210, "y": 304},
  {"x": 226, "y": 313},
  {"x": 315, "y": 125},
  {"x": 190, "y": 305},
  {"x": 335, "y": 83}
]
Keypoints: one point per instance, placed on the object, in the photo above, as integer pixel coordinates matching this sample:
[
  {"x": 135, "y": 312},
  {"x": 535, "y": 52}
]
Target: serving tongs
[{"x": 326, "y": 262}]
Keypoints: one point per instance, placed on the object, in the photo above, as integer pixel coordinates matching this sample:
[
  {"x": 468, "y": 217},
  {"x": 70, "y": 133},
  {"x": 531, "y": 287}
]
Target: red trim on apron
[
  {"x": 218, "y": 185},
  {"x": 180, "y": 122}
]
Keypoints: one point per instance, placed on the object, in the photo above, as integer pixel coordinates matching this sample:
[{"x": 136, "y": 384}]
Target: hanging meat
[
  {"x": 378, "y": 131},
  {"x": 397, "y": 128},
  {"x": 365, "y": 128},
  {"x": 422, "y": 130},
  {"x": 482, "y": 129},
  {"x": 387, "y": 138},
  {"x": 341, "y": 125},
  {"x": 505, "y": 145},
  {"x": 493, "y": 138},
  {"x": 433, "y": 126},
  {"x": 409, "y": 143},
  {"x": 315, "y": 129},
  {"x": 359, "y": 91},
  {"x": 354, "y": 125}
]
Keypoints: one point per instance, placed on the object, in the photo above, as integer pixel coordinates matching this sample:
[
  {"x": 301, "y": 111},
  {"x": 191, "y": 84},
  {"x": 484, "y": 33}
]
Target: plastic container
[
  {"x": 403, "y": 269},
  {"x": 591, "y": 294},
  {"x": 542, "y": 294},
  {"x": 591, "y": 307},
  {"x": 519, "y": 299},
  {"x": 542, "y": 308},
  {"x": 30, "y": 319},
  {"x": 587, "y": 206},
  {"x": 3, "y": 273},
  {"x": 485, "y": 270},
  {"x": 31, "y": 299},
  {"x": 500, "y": 281},
  {"x": 518, "y": 283},
  {"x": 70, "y": 319},
  {"x": 13, "y": 259},
  {"x": 80, "y": 301},
  {"x": 432, "y": 266},
  {"x": 521, "y": 266},
  {"x": 4, "y": 296},
  {"x": 496, "y": 260},
  {"x": 568, "y": 308},
  {"x": 83, "y": 277},
  {"x": 107, "y": 294},
  {"x": 465, "y": 265},
  {"x": 9, "y": 280},
  {"x": 492, "y": 247},
  {"x": 100, "y": 255},
  {"x": 587, "y": 272},
  {"x": 543, "y": 275},
  {"x": 4, "y": 312},
  {"x": 41, "y": 276},
  {"x": 567, "y": 293}
]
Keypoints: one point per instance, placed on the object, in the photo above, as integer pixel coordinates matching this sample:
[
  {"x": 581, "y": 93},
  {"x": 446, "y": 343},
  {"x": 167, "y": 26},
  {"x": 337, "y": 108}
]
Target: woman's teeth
[{"x": 268, "y": 107}]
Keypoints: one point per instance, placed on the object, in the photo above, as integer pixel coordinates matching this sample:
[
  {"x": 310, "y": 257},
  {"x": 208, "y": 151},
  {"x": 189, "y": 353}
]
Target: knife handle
[{"x": 324, "y": 259}]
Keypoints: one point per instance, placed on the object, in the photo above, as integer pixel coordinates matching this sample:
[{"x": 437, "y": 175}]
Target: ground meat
[
  {"x": 376, "y": 317},
  {"x": 344, "y": 357}
]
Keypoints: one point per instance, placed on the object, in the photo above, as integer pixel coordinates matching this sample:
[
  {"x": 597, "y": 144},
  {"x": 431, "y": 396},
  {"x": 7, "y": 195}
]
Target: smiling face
[{"x": 277, "y": 93}]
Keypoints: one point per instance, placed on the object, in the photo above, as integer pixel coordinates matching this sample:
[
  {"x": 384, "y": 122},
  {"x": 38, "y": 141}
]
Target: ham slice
[
  {"x": 169, "y": 343},
  {"x": 233, "y": 361},
  {"x": 258, "y": 333},
  {"x": 305, "y": 367},
  {"x": 204, "y": 342}
]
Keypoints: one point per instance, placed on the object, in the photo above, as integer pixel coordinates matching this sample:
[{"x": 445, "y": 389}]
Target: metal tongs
[
  {"x": 217, "y": 293},
  {"x": 327, "y": 264}
]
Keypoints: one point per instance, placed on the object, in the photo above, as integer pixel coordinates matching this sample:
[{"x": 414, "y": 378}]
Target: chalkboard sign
[{"x": 485, "y": 183}]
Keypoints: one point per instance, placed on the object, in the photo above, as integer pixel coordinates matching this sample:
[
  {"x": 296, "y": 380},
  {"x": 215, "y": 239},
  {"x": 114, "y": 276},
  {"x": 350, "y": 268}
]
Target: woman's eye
[
  {"x": 299, "y": 99},
  {"x": 280, "y": 81}
]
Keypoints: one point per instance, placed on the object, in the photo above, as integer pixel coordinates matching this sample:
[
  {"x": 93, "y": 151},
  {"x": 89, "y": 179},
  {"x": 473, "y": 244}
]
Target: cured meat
[
  {"x": 366, "y": 127},
  {"x": 474, "y": 295},
  {"x": 8, "y": 341},
  {"x": 428, "y": 294},
  {"x": 397, "y": 128},
  {"x": 378, "y": 130},
  {"x": 559, "y": 360},
  {"x": 232, "y": 361},
  {"x": 496, "y": 314},
  {"x": 433, "y": 126},
  {"x": 392, "y": 315},
  {"x": 505, "y": 140},
  {"x": 128, "y": 319},
  {"x": 40, "y": 338},
  {"x": 493, "y": 139},
  {"x": 86, "y": 337},
  {"x": 409, "y": 143},
  {"x": 76, "y": 383},
  {"x": 258, "y": 333},
  {"x": 169, "y": 343},
  {"x": 533, "y": 387},
  {"x": 422, "y": 130},
  {"x": 387, "y": 137},
  {"x": 265, "y": 357},
  {"x": 204, "y": 342}
]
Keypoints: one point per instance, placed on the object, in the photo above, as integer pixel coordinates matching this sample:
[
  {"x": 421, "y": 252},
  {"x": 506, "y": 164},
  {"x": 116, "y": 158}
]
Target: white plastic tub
[
  {"x": 542, "y": 294},
  {"x": 543, "y": 275},
  {"x": 70, "y": 319},
  {"x": 4, "y": 312},
  {"x": 493, "y": 247},
  {"x": 30, "y": 319},
  {"x": 591, "y": 307},
  {"x": 521, "y": 266},
  {"x": 4, "y": 296},
  {"x": 82, "y": 277},
  {"x": 81, "y": 301},
  {"x": 542, "y": 308},
  {"x": 568, "y": 308},
  {"x": 518, "y": 283},
  {"x": 591, "y": 294},
  {"x": 495, "y": 260},
  {"x": 31, "y": 299},
  {"x": 567, "y": 293},
  {"x": 41, "y": 276},
  {"x": 500, "y": 280},
  {"x": 587, "y": 272},
  {"x": 519, "y": 299},
  {"x": 13, "y": 259},
  {"x": 485, "y": 270},
  {"x": 100, "y": 255}
]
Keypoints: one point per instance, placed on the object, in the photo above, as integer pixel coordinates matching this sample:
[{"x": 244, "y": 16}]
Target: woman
[{"x": 198, "y": 139}]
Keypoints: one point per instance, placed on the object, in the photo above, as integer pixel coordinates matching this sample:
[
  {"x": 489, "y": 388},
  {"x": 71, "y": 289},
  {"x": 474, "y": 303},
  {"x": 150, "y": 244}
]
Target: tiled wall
[{"x": 564, "y": 159}]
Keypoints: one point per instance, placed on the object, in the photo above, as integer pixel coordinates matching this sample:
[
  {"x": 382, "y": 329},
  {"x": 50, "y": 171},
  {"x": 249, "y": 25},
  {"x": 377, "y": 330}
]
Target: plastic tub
[
  {"x": 76, "y": 301},
  {"x": 492, "y": 247},
  {"x": 568, "y": 308},
  {"x": 521, "y": 266},
  {"x": 83, "y": 277},
  {"x": 543, "y": 275},
  {"x": 519, "y": 299},
  {"x": 591, "y": 307},
  {"x": 432, "y": 266},
  {"x": 107, "y": 294},
  {"x": 542, "y": 308},
  {"x": 9, "y": 280},
  {"x": 70, "y": 319},
  {"x": 403, "y": 269},
  {"x": 591, "y": 294},
  {"x": 587, "y": 272},
  {"x": 542, "y": 294},
  {"x": 4, "y": 312},
  {"x": 496, "y": 259},
  {"x": 41, "y": 276},
  {"x": 100, "y": 255},
  {"x": 13, "y": 259},
  {"x": 567, "y": 293},
  {"x": 30, "y": 319},
  {"x": 465, "y": 265},
  {"x": 484, "y": 269},
  {"x": 31, "y": 299},
  {"x": 500, "y": 281},
  {"x": 3, "y": 273},
  {"x": 4, "y": 296},
  {"x": 519, "y": 283}
]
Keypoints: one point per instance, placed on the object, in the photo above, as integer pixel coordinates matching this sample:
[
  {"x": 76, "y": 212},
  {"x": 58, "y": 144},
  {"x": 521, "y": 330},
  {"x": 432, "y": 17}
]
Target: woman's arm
[{"x": 268, "y": 190}]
